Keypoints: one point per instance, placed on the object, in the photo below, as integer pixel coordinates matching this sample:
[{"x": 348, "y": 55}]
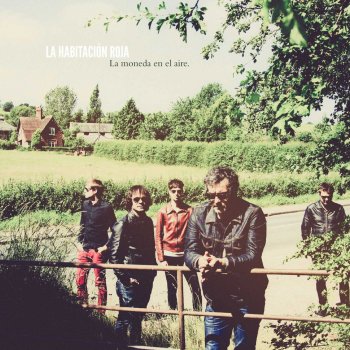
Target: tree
[
  {"x": 156, "y": 126},
  {"x": 23, "y": 110},
  {"x": 7, "y": 106},
  {"x": 94, "y": 114},
  {"x": 36, "y": 139},
  {"x": 78, "y": 116},
  {"x": 128, "y": 121},
  {"x": 60, "y": 103},
  {"x": 310, "y": 51}
]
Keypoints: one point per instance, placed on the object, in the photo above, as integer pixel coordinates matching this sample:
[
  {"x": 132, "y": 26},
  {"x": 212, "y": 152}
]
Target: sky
[{"x": 31, "y": 31}]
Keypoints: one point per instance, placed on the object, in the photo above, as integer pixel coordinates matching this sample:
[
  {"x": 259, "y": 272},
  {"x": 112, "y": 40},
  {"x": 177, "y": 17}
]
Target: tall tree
[
  {"x": 128, "y": 121},
  {"x": 23, "y": 110},
  {"x": 60, "y": 103},
  {"x": 94, "y": 114}
]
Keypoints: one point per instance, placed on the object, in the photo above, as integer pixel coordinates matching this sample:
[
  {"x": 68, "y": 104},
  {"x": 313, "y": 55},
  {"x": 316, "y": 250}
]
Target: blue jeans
[
  {"x": 218, "y": 330},
  {"x": 131, "y": 296}
]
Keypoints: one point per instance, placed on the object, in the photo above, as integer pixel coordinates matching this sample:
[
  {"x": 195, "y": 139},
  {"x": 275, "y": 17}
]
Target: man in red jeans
[
  {"x": 96, "y": 217},
  {"x": 170, "y": 241}
]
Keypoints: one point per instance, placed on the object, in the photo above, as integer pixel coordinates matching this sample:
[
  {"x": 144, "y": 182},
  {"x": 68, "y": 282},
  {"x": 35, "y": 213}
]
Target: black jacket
[
  {"x": 94, "y": 224},
  {"x": 242, "y": 241},
  {"x": 317, "y": 220},
  {"x": 133, "y": 243}
]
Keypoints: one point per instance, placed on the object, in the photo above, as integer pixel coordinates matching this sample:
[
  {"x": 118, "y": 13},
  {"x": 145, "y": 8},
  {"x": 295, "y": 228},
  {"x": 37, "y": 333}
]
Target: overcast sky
[{"x": 29, "y": 29}]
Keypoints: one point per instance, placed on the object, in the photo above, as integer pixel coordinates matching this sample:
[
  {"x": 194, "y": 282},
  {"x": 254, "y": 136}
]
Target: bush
[
  {"x": 61, "y": 196},
  {"x": 7, "y": 145},
  {"x": 261, "y": 157}
]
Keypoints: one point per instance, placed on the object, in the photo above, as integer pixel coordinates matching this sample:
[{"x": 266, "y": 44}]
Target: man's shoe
[{"x": 321, "y": 312}]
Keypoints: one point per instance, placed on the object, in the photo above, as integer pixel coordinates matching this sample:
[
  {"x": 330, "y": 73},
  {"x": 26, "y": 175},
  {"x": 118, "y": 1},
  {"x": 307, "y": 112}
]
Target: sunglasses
[
  {"x": 221, "y": 195},
  {"x": 88, "y": 189},
  {"x": 176, "y": 191},
  {"x": 137, "y": 199}
]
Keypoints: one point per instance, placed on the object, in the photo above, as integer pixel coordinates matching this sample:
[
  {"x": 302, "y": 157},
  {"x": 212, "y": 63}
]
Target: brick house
[
  {"x": 5, "y": 129},
  {"x": 51, "y": 133}
]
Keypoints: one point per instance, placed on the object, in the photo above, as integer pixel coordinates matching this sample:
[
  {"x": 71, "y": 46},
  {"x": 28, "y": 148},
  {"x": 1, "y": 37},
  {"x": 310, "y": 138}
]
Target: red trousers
[{"x": 100, "y": 276}]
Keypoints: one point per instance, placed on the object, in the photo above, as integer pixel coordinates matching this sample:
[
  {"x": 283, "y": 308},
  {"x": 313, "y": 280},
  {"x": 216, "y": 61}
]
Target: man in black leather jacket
[
  {"x": 133, "y": 243},
  {"x": 225, "y": 239},
  {"x": 321, "y": 217}
]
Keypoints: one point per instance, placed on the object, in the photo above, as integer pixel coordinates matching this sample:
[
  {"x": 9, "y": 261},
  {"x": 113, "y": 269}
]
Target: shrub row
[
  {"x": 262, "y": 157},
  {"x": 20, "y": 197},
  {"x": 7, "y": 145}
]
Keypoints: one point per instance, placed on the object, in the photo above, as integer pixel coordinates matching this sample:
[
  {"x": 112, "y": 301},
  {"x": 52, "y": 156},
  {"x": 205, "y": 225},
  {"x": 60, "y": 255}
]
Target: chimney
[{"x": 38, "y": 113}]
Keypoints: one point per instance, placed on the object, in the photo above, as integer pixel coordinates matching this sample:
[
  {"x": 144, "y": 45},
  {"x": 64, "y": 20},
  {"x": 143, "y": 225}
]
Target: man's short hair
[
  {"x": 96, "y": 184},
  {"x": 217, "y": 174},
  {"x": 142, "y": 190},
  {"x": 174, "y": 183},
  {"x": 327, "y": 187}
]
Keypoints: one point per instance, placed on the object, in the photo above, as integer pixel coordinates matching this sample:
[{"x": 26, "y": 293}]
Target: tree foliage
[
  {"x": 310, "y": 61},
  {"x": 127, "y": 122},
  {"x": 23, "y": 110},
  {"x": 95, "y": 114},
  {"x": 156, "y": 126},
  {"x": 60, "y": 103},
  {"x": 7, "y": 106},
  {"x": 36, "y": 139}
]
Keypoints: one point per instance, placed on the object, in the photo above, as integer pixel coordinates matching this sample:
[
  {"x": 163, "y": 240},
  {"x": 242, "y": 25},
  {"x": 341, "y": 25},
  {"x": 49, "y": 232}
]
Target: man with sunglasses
[
  {"x": 321, "y": 217},
  {"x": 170, "y": 241},
  {"x": 224, "y": 240},
  {"x": 133, "y": 243},
  {"x": 97, "y": 216}
]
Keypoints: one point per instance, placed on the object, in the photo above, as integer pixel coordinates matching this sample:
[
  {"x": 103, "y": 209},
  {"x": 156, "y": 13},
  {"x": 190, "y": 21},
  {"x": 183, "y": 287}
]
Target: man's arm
[
  {"x": 159, "y": 236},
  {"x": 194, "y": 249},
  {"x": 306, "y": 225},
  {"x": 82, "y": 226},
  {"x": 254, "y": 246},
  {"x": 118, "y": 248}
]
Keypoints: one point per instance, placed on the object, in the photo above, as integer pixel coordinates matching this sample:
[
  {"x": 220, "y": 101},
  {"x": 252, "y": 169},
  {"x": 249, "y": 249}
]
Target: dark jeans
[
  {"x": 192, "y": 280},
  {"x": 218, "y": 330},
  {"x": 322, "y": 292},
  {"x": 132, "y": 296}
]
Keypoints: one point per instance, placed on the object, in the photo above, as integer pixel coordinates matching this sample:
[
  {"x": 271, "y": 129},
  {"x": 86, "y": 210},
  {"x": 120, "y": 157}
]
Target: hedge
[
  {"x": 4, "y": 144},
  {"x": 19, "y": 197},
  {"x": 261, "y": 157}
]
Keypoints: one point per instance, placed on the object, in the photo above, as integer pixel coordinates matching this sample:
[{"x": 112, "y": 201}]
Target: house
[
  {"x": 51, "y": 133},
  {"x": 92, "y": 132},
  {"x": 5, "y": 129}
]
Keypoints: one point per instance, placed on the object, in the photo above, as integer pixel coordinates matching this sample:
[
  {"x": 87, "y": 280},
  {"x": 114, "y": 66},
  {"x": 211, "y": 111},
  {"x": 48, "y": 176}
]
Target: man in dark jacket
[
  {"x": 321, "y": 217},
  {"x": 97, "y": 216},
  {"x": 224, "y": 240},
  {"x": 133, "y": 243}
]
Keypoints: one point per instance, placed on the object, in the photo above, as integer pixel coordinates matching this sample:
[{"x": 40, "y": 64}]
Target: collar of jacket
[
  {"x": 212, "y": 218},
  {"x": 132, "y": 217},
  {"x": 169, "y": 208}
]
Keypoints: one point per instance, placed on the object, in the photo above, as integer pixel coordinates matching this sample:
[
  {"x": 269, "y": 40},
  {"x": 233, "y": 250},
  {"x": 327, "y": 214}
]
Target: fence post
[{"x": 180, "y": 307}]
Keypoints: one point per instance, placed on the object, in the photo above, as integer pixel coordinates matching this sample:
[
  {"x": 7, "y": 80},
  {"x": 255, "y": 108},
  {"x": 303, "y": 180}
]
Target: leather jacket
[
  {"x": 318, "y": 220},
  {"x": 242, "y": 242},
  {"x": 170, "y": 229},
  {"x": 133, "y": 243}
]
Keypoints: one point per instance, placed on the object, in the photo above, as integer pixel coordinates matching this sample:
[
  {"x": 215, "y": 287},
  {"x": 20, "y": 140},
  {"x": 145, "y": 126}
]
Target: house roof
[
  {"x": 30, "y": 124},
  {"x": 92, "y": 127},
  {"x": 5, "y": 126}
]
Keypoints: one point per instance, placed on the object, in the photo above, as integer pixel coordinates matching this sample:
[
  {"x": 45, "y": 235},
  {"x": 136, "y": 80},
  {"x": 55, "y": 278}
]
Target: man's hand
[
  {"x": 102, "y": 249},
  {"x": 163, "y": 263},
  {"x": 209, "y": 264}
]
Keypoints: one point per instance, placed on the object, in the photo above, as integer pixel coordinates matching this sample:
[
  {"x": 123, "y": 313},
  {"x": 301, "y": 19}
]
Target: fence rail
[{"x": 180, "y": 297}]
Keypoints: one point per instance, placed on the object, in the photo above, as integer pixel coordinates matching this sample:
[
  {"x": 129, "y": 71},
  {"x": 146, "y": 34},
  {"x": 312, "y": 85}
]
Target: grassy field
[{"x": 31, "y": 165}]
